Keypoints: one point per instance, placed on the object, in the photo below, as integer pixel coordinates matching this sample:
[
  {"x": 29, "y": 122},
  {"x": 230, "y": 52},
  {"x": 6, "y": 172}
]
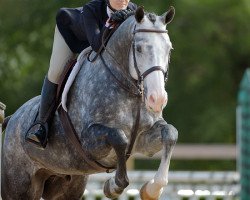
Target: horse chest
[{"x": 123, "y": 115}]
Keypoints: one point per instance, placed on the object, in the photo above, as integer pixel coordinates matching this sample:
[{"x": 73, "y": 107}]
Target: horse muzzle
[{"x": 156, "y": 102}]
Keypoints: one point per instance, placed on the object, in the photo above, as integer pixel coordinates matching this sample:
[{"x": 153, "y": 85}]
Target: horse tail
[{"x": 5, "y": 122}]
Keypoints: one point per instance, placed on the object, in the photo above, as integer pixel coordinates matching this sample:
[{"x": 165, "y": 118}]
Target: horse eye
[{"x": 138, "y": 48}]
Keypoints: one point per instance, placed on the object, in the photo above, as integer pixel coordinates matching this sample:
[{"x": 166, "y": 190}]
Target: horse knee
[
  {"x": 173, "y": 133},
  {"x": 118, "y": 140},
  {"x": 169, "y": 135}
]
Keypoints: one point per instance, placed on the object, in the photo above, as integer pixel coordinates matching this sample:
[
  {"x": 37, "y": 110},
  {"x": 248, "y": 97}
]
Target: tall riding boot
[{"x": 38, "y": 132}]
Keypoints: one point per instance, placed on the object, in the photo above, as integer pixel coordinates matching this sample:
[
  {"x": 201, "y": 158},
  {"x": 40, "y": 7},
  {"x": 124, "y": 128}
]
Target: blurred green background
[{"x": 211, "y": 40}]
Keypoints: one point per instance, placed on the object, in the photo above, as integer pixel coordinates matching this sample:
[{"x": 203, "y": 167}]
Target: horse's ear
[
  {"x": 139, "y": 14},
  {"x": 168, "y": 16}
]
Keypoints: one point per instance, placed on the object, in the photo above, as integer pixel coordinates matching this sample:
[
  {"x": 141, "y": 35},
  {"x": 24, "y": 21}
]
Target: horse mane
[
  {"x": 151, "y": 17},
  {"x": 127, "y": 26},
  {"x": 119, "y": 44}
]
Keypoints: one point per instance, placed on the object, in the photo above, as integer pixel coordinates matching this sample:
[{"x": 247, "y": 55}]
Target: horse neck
[{"x": 119, "y": 46}]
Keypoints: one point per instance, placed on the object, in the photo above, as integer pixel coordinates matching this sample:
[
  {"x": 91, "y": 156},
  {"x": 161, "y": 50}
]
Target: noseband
[{"x": 141, "y": 77}]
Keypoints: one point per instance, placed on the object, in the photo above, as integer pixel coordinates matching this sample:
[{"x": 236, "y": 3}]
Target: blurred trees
[
  {"x": 212, "y": 45},
  {"x": 211, "y": 50}
]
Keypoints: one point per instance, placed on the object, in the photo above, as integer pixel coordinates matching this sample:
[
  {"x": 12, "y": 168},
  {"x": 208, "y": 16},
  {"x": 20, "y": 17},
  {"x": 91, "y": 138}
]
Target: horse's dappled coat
[{"x": 103, "y": 115}]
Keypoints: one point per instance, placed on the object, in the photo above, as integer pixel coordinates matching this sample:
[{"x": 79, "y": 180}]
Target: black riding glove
[{"x": 121, "y": 15}]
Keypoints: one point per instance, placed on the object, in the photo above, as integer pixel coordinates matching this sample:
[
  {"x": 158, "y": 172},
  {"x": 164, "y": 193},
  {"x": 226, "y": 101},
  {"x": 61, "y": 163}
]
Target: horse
[{"x": 121, "y": 92}]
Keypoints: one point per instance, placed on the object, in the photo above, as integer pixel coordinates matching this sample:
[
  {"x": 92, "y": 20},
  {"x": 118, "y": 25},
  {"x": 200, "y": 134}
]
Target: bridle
[{"x": 142, "y": 76}]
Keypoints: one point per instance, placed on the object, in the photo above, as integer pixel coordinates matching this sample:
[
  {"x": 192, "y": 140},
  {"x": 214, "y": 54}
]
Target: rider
[{"x": 76, "y": 29}]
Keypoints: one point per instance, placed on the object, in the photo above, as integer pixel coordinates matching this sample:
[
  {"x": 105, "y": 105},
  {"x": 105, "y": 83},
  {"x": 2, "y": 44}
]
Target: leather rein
[{"x": 67, "y": 124}]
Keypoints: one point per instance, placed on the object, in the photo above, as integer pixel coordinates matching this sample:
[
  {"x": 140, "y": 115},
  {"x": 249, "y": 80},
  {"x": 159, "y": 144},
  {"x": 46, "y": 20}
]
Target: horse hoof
[
  {"x": 111, "y": 190},
  {"x": 144, "y": 195}
]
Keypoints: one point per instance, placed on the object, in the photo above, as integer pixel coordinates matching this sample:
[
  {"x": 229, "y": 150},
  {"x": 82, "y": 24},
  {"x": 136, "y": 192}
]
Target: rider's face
[{"x": 119, "y": 4}]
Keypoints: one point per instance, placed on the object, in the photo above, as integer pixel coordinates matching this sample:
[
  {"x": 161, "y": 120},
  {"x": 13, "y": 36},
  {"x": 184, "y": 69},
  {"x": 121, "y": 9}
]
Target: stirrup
[{"x": 36, "y": 140}]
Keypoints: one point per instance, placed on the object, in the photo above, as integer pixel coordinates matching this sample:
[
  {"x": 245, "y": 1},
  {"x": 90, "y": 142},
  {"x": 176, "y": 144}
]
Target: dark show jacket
[{"x": 83, "y": 27}]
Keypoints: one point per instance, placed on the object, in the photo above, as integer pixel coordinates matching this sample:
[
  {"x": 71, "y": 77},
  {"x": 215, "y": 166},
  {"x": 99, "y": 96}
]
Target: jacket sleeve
[{"x": 91, "y": 28}]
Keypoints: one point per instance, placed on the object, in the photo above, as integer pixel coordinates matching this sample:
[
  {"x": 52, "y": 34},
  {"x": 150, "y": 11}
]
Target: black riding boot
[{"x": 38, "y": 132}]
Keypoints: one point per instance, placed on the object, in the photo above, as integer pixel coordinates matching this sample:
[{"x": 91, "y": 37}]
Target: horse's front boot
[{"x": 38, "y": 132}]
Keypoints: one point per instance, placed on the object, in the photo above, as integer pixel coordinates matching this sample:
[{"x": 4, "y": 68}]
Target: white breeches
[{"x": 61, "y": 55}]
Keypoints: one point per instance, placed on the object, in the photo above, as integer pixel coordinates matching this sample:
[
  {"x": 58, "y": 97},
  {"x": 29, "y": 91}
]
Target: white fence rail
[
  {"x": 182, "y": 185},
  {"x": 200, "y": 152}
]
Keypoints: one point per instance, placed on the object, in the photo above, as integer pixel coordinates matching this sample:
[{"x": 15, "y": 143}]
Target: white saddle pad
[{"x": 82, "y": 56}]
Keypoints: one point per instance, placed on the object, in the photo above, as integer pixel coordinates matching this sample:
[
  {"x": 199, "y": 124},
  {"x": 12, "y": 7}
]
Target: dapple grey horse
[{"x": 104, "y": 114}]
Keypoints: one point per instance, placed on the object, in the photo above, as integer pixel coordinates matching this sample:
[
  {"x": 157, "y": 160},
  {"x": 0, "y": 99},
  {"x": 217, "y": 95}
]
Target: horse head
[{"x": 144, "y": 46}]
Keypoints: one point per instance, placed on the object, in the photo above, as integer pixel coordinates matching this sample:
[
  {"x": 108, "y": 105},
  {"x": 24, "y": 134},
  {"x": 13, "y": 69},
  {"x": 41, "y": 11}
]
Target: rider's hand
[
  {"x": 121, "y": 15},
  {"x": 110, "y": 24}
]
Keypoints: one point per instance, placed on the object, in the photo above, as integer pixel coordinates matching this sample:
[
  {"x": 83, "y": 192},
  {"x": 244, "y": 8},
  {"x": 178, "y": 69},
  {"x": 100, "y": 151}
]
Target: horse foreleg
[
  {"x": 153, "y": 189},
  {"x": 115, "y": 186}
]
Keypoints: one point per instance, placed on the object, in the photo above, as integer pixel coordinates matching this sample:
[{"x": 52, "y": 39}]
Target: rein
[{"x": 104, "y": 41}]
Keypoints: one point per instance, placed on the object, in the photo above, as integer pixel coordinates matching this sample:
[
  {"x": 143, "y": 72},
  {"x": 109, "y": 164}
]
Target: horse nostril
[
  {"x": 68, "y": 178},
  {"x": 152, "y": 98}
]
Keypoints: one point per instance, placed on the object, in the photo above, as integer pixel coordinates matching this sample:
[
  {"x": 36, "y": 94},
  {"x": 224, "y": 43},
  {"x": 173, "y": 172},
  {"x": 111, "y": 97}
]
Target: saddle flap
[{"x": 63, "y": 79}]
